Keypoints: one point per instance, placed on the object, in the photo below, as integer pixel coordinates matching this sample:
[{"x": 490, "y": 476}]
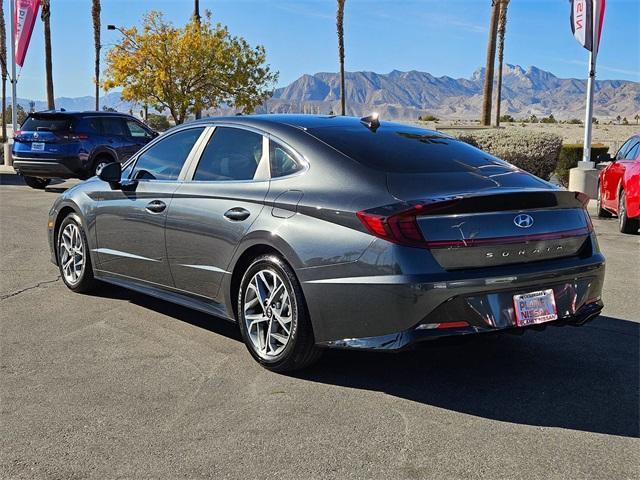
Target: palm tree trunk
[
  {"x": 196, "y": 16},
  {"x": 95, "y": 14},
  {"x": 3, "y": 57},
  {"x": 491, "y": 58},
  {"x": 340, "y": 29},
  {"x": 45, "y": 16},
  {"x": 502, "y": 30}
]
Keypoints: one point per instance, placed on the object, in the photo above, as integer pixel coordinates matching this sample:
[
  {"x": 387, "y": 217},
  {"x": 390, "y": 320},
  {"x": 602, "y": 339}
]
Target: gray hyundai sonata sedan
[{"x": 323, "y": 231}]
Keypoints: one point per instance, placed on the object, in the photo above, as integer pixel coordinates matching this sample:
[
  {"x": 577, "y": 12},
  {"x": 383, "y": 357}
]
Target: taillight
[
  {"x": 75, "y": 136},
  {"x": 401, "y": 226}
]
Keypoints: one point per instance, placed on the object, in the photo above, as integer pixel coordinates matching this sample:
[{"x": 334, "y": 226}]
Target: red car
[{"x": 619, "y": 186}]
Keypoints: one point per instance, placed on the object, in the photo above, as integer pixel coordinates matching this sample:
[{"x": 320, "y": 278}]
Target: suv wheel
[
  {"x": 74, "y": 260},
  {"x": 627, "y": 225},
  {"x": 37, "y": 182},
  {"x": 273, "y": 317},
  {"x": 99, "y": 163}
]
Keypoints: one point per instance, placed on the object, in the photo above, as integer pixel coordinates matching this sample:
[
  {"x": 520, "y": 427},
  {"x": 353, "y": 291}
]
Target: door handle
[
  {"x": 156, "y": 206},
  {"x": 237, "y": 214}
]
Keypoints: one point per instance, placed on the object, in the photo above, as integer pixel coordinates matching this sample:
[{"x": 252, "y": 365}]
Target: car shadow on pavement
[
  {"x": 577, "y": 378},
  {"x": 581, "y": 378}
]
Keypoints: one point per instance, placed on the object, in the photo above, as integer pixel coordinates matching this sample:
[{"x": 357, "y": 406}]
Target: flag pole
[
  {"x": 588, "y": 119},
  {"x": 14, "y": 79}
]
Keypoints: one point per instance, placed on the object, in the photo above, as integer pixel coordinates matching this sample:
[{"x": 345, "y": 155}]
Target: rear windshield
[
  {"x": 400, "y": 149},
  {"x": 46, "y": 123}
]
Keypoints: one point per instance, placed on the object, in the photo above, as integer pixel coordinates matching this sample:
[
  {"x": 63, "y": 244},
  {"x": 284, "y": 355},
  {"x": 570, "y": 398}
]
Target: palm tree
[
  {"x": 491, "y": 58},
  {"x": 95, "y": 15},
  {"x": 197, "y": 112},
  {"x": 46, "y": 16},
  {"x": 5, "y": 74},
  {"x": 340, "y": 28},
  {"x": 502, "y": 29}
]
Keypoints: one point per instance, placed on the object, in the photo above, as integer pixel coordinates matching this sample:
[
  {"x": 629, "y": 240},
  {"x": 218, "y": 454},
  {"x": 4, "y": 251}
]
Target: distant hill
[
  {"x": 407, "y": 95},
  {"x": 398, "y": 95}
]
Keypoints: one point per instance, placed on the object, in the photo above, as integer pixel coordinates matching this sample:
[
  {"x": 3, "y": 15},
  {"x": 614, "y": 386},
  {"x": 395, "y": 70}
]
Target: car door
[
  {"x": 615, "y": 173},
  {"x": 137, "y": 137},
  {"x": 130, "y": 221},
  {"x": 212, "y": 210},
  {"x": 112, "y": 129}
]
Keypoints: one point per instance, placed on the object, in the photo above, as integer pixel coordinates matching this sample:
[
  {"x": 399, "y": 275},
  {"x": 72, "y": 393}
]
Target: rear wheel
[
  {"x": 74, "y": 260},
  {"x": 627, "y": 225},
  {"x": 602, "y": 213},
  {"x": 37, "y": 182},
  {"x": 273, "y": 317}
]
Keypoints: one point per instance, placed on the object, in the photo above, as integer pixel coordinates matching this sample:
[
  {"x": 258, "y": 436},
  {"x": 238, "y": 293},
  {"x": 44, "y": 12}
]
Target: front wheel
[
  {"x": 37, "y": 182},
  {"x": 602, "y": 213},
  {"x": 273, "y": 317},
  {"x": 627, "y": 225},
  {"x": 73, "y": 255}
]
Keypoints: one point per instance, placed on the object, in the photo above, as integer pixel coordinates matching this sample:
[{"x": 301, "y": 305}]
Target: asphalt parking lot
[{"x": 120, "y": 385}]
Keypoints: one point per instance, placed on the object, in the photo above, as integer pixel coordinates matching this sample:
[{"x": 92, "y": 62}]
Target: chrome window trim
[
  {"x": 263, "y": 172},
  {"x": 160, "y": 138}
]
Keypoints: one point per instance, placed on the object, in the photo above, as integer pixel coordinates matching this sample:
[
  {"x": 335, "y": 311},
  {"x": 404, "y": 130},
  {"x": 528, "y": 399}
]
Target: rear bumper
[
  {"x": 409, "y": 338},
  {"x": 64, "y": 167},
  {"x": 393, "y": 311}
]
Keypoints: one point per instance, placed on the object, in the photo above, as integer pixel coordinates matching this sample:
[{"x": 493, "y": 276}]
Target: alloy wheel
[
  {"x": 268, "y": 313},
  {"x": 71, "y": 253}
]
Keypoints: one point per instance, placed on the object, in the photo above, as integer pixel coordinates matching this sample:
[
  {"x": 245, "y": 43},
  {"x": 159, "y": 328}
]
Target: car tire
[
  {"x": 278, "y": 334},
  {"x": 627, "y": 225},
  {"x": 99, "y": 163},
  {"x": 37, "y": 182},
  {"x": 602, "y": 213},
  {"x": 74, "y": 260}
]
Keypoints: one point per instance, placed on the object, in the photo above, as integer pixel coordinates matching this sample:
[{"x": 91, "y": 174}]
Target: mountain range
[{"x": 407, "y": 95}]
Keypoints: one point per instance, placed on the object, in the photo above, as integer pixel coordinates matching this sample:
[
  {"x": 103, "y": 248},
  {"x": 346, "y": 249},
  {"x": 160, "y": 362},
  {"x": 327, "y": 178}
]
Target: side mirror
[
  {"x": 154, "y": 134},
  {"x": 604, "y": 157},
  {"x": 111, "y": 173}
]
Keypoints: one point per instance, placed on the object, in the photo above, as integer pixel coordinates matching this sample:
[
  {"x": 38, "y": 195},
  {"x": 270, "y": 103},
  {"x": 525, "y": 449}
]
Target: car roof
[
  {"x": 88, "y": 113},
  {"x": 301, "y": 121}
]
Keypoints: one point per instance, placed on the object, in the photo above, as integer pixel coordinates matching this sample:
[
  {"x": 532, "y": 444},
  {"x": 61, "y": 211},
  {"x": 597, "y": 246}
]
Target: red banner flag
[
  {"x": 26, "y": 14},
  {"x": 586, "y": 22}
]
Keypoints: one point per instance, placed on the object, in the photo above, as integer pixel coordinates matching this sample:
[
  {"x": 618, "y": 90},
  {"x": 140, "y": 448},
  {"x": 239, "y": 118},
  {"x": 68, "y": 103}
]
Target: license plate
[
  {"x": 37, "y": 146},
  {"x": 535, "y": 307}
]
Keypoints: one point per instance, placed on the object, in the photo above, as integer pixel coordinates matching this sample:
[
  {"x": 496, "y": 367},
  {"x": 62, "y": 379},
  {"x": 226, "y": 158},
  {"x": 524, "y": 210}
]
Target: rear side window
[
  {"x": 231, "y": 154},
  {"x": 46, "y": 123},
  {"x": 399, "y": 149},
  {"x": 112, "y": 126},
  {"x": 164, "y": 159},
  {"x": 633, "y": 151},
  {"x": 282, "y": 161}
]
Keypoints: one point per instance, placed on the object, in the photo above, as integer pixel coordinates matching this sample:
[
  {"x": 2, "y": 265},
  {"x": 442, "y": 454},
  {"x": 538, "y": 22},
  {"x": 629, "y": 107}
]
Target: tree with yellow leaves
[{"x": 190, "y": 68}]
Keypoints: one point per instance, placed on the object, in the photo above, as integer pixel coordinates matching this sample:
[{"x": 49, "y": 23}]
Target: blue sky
[{"x": 445, "y": 37}]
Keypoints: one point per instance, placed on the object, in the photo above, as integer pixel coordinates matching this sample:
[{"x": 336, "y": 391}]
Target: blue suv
[{"x": 60, "y": 144}]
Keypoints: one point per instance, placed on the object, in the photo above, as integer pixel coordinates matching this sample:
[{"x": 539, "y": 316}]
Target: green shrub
[
  {"x": 571, "y": 154},
  {"x": 428, "y": 118},
  {"x": 535, "y": 152},
  {"x": 159, "y": 123}
]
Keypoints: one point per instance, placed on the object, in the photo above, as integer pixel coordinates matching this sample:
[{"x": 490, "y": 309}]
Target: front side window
[
  {"x": 282, "y": 161},
  {"x": 231, "y": 154},
  {"x": 136, "y": 130},
  {"x": 164, "y": 159}
]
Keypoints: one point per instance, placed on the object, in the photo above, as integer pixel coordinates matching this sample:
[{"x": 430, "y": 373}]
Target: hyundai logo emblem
[{"x": 523, "y": 220}]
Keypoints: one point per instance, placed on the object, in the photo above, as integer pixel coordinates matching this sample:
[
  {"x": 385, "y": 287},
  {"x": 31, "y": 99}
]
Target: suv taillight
[{"x": 75, "y": 136}]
